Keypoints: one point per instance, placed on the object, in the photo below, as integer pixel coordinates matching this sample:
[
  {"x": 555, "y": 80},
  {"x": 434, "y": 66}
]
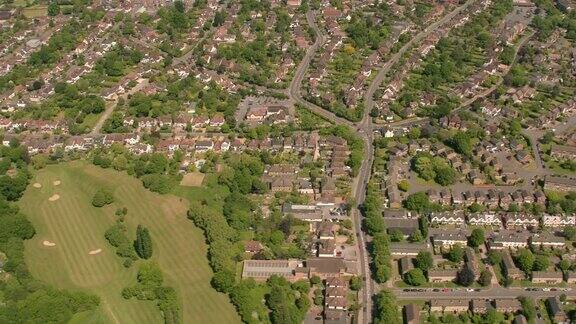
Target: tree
[
  {"x": 415, "y": 277},
  {"x": 528, "y": 308},
  {"x": 386, "y": 308},
  {"x": 143, "y": 243},
  {"x": 541, "y": 263},
  {"x": 418, "y": 202},
  {"x": 53, "y": 9},
  {"x": 494, "y": 257},
  {"x": 416, "y": 236},
  {"x": 525, "y": 259},
  {"x": 102, "y": 197},
  {"x": 424, "y": 260},
  {"x": 485, "y": 278},
  {"x": 570, "y": 233},
  {"x": 355, "y": 283},
  {"x": 396, "y": 236},
  {"x": 456, "y": 254},
  {"x": 404, "y": 185},
  {"x": 465, "y": 276},
  {"x": 477, "y": 237}
]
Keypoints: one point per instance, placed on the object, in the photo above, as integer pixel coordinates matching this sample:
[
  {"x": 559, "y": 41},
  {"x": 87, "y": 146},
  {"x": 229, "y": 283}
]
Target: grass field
[
  {"x": 77, "y": 228},
  {"x": 192, "y": 179},
  {"x": 35, "y": 11}
]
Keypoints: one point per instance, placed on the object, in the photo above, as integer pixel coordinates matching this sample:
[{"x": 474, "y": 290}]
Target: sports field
[{"x": 69, "y": 228}]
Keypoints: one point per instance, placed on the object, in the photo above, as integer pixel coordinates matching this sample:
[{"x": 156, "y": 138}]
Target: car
[
  {"x": 445, "y": 290},
  {"x": 469, "y": 290},
  {"x": 528, "y": 289},
  {"x": 545, "y": 289},
  {"x": 553, "y": 289},
  {"x": 436, "y": 290},
  {"x": 407, "y": 290},
  {"x": 477, "y": 289},
  {"x": 318, "y": 318}
]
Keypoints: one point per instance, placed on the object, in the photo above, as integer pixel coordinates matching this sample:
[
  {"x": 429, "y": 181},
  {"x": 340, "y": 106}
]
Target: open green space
[{"x": 76, "y": 227}]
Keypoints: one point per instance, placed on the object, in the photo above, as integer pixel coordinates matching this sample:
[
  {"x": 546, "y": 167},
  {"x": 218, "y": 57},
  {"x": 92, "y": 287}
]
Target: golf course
[{"x": 69, "y": 250}]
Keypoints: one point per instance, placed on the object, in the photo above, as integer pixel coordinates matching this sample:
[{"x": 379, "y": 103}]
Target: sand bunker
[
  {"x": 56, "y": 182},
  {"x": 54, "y": 197},
  {"x": 37, "y": 185},
  {"x": 48, "y": 243},
  {"x": 95, "y": 251}
]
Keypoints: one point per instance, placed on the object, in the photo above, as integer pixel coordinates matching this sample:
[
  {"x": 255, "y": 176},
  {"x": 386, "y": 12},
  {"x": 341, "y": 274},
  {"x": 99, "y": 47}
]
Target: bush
[
  {"x": 158, "y": 183},
  {"x": 102, "y": 197}
]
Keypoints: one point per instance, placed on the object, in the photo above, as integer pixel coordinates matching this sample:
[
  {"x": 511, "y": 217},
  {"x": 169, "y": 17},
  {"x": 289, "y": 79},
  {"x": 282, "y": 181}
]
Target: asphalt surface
[{"x": 492, "y": 293}]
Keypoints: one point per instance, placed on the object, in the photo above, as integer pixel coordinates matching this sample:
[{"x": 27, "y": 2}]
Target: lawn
[
  {"x": 77, "y": 228},
  {"x": 35, "y": 11}
]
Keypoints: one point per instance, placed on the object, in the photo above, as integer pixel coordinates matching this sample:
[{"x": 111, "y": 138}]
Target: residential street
[
  {"x": 365, "y": 130},
  {"x": 492, "y": 293}
]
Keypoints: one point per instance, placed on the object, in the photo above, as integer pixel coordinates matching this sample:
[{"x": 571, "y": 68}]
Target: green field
[
  {"x": 77, "y": 228},
  {"x": 35, "y": 11}
]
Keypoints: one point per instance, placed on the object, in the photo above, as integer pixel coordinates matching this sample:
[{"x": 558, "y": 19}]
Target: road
[
  {"x": 369, "y": 95},
  {"x": 111, "y": 105},
  {"x": 492, "y": 293},
  {"x": 365, "y": 130}
]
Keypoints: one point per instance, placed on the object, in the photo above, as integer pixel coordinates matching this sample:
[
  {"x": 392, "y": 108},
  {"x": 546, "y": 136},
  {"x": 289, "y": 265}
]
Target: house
[
  {"x": 402, "y": 249},
  {"x": 447, "y": 239},
  {"x": 508, "y": 240},
  {"x": 556, "y": 221},
  {"x": 326, "y": 267},
  {"x": 406, "y": 226},
  {"x": 546, "y": 240},
  {"x": 571, "y": 278},
  {"x": 562, "y": 152},
  {"x": 555, "y": 310},
  {"x": 411, "y": 314},
  {"x": 449, "y": 305},
  {"x": 480, "y": 306},
  {"x": 447, "y": 218},
  {"x": 336, "y": 282},
  {"x": 442, "y": 275},
  {"x": 549, "y": 277},
  {"x": 509, "y": 268},
  {"x": 507, "y": 305},
  {"x": 520, "y": 220},
  {"x": 252, "y": 247},
  {"x": 557, "y": 183},
  {"x": 309, "y": 213},
  {"x": 261, "y": 270},
  {"x": 484, "y": 219}
]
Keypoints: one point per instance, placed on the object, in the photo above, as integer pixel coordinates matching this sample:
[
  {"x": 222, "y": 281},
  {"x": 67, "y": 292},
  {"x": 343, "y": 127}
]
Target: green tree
[
  {"x": 53, "y": 9},
  {"x": 569, "y": 233},
  {"x": 456, "y": 254},
  {"x": 465, "y": 276},
  {"x": 102, "y": 197},
  {"x": 415, "y": 277},
  {"x": 404, "y": 185},
  {"x": 477, "y": 237},
  {"x": 424, "y": 260},
  {"x": 541, "y": 263},
  {"x": 525, "y": 260},
  {"x": 528, "y": 308},
  {"x": 396, "y": 236},
  {"x": 143, "y": 242},
  {"x": 386, "y": 308},
  {"x": 485, "y": 278},
  {"x": 418, "y": 202}
]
